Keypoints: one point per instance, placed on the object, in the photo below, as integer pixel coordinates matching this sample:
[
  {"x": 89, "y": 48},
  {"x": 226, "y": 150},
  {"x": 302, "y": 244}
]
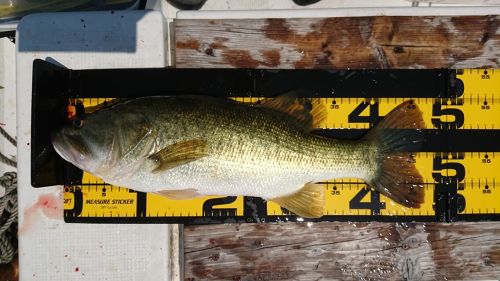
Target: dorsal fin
[{"x": 306, "y": 114}]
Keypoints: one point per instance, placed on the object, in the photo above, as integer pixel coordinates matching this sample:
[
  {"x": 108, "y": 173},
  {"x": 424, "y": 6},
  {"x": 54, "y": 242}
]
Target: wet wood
[
  {"x": 343, "y": 251},
  {"x": 356, "y": 42}
]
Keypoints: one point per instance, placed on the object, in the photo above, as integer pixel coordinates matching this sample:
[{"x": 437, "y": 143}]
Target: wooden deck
[
  {"x": 341, "y": 251},
  {"x": 363, "y": 42}
]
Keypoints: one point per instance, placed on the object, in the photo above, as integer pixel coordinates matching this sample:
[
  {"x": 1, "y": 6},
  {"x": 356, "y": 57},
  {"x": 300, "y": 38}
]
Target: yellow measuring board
[
  {"x": 472, "y": 173},
  {"x": 101, "y": 199}
]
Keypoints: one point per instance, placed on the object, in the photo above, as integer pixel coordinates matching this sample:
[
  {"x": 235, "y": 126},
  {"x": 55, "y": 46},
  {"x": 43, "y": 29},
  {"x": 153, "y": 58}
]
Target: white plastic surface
[
  {"x": 50, "y": 249},
  {"x": 340, "y": 12},
  {"x": 270, "y": 5}
]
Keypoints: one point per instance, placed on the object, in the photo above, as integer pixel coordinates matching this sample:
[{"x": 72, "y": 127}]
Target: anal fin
[{"x": 309, "y": 202}]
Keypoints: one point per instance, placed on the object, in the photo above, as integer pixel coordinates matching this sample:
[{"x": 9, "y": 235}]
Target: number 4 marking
[
  {"x": 374, "y": 205},
  {"x": 373, "y": 117}
]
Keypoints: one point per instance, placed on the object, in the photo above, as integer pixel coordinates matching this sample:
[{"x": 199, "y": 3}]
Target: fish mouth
[{"x": 70, "y": 148}]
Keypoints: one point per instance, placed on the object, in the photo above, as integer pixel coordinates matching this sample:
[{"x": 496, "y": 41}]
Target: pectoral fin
[
  {"x": 309, "y": 202},
  {"x": 179, "y": 153},
  {"x": 181, "y": 194}
]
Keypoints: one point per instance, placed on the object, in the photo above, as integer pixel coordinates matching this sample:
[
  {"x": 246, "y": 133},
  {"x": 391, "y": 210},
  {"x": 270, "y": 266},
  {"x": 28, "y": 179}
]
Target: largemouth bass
[{"x": 188, "y": 146}]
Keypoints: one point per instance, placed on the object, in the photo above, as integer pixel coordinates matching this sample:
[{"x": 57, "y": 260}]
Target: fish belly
[{"x": 211, "y": 176}]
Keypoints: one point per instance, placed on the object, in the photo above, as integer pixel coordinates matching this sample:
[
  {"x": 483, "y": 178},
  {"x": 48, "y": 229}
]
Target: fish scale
[
  {"x": 343, "y": 197},
  {"x": 237, "y": 154},
  {"x": 191, "y": 139}
]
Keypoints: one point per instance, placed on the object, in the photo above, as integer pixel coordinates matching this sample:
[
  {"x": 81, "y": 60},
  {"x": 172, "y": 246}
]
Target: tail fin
[{"x": 397, "y": 176}]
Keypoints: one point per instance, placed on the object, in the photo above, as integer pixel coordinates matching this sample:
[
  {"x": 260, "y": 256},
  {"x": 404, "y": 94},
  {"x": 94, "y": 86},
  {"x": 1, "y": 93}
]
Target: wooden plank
[
  {"x": 339, "y": 43},
  {"x": 343, "y": 251}
]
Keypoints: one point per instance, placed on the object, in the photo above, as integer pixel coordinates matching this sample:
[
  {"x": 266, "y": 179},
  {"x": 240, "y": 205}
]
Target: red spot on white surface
[
  {"x": 49, "y": 205},
  {"x": 77, "y": 269}
]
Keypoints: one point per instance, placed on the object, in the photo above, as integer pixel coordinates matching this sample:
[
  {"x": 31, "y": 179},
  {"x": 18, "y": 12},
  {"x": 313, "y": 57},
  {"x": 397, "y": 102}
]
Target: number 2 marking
[{"x": 208, "y": 206}]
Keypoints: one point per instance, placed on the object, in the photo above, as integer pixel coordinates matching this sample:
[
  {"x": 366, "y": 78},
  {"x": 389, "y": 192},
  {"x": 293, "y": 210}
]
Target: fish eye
[{"x": 78, "y": 123}]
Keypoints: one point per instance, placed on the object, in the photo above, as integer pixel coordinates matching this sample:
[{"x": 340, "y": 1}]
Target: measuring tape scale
[{"x": 472, "y": 174}]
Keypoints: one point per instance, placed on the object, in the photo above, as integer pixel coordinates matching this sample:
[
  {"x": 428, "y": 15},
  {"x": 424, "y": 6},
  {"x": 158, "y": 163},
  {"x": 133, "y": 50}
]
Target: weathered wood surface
[
  {"x": 343, "y": 251},
  {"x": 362, "y": 42}
]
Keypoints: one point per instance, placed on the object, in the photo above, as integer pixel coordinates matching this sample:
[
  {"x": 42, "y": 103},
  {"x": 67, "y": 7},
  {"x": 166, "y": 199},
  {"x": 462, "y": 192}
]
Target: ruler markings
[{"x": 476, "y": 104}]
